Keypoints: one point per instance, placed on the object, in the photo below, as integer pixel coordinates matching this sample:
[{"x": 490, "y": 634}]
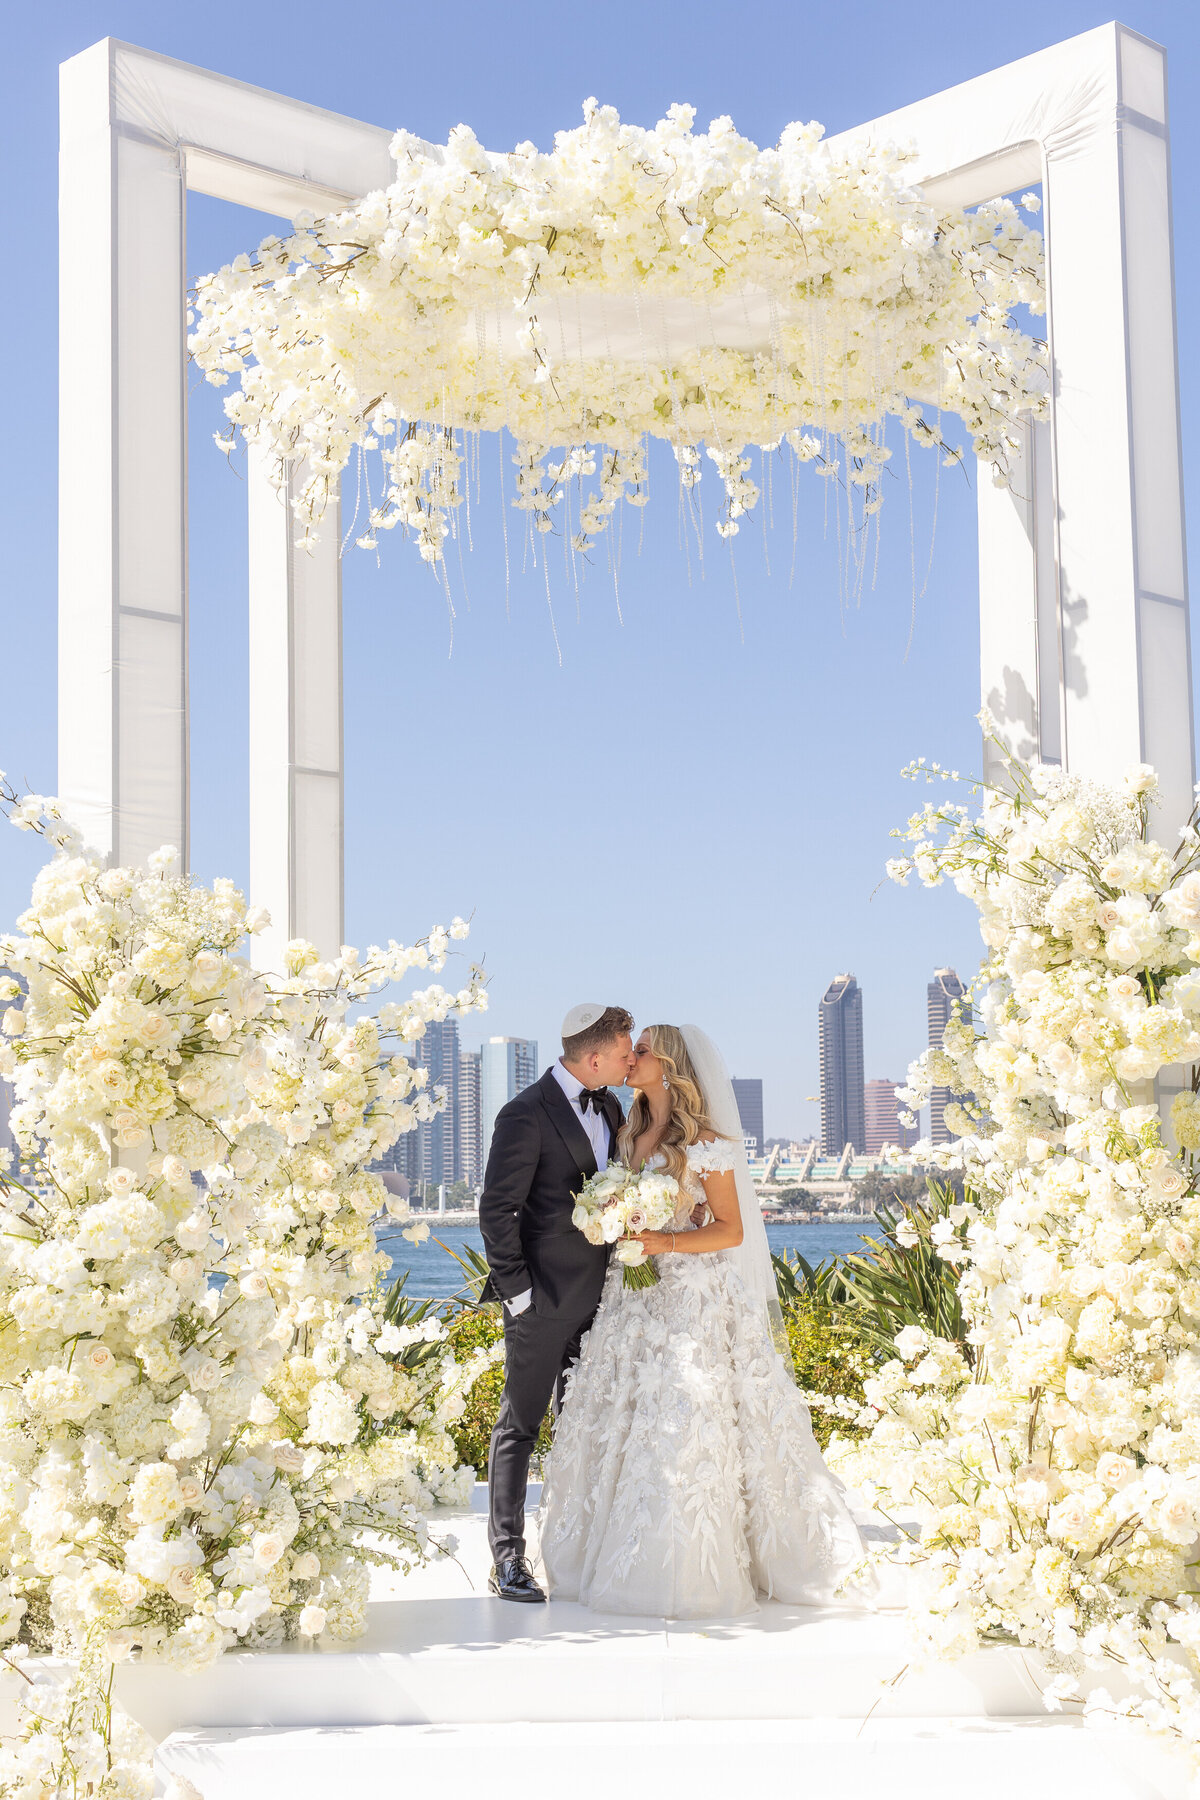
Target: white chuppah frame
[{"x": 1083, "y": 598}]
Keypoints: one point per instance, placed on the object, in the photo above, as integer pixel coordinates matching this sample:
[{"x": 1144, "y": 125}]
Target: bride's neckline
[{"x": 647, "y": 1156}]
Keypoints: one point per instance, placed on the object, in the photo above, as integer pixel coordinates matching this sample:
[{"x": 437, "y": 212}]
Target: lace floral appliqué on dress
[{"x": 684, "y": 1479}]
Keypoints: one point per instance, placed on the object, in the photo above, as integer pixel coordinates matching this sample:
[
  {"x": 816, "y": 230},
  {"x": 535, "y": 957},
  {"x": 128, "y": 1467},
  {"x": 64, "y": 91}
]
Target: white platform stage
[{"x": 453, "y": 1685}]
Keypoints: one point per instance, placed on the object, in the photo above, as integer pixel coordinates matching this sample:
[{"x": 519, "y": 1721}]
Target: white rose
[
  {"x": 181, "y": 1583},
  {"x": 155, "y": 1028},
  {"x": 254, "y": 1284},
  {"x": 127, "y": 1129},
  {"x": 1113, "y": 1470},
  {"x": 119, "y": 1646},
  {"x": 306, "y": 1567},
  {"x": 312, "y": 1621},
  {"x": 288, "y": 1457},
  {"x": 1068, "y": 1519},
  {"x": 268, "y": 1547},
  {"x": 263, "y": 1410},
  {"x": 204, "y": 1375},
  {"x": 100, "y": 1360},
  {"x": 1034, "y": 1486},
  {"x": 122, "y": 1181},
  {"x": 192, "y": 1233}
]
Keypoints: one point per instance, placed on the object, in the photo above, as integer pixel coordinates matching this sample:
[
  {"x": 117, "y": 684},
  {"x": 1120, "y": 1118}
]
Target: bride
[{"x": 684, "y": 1478}]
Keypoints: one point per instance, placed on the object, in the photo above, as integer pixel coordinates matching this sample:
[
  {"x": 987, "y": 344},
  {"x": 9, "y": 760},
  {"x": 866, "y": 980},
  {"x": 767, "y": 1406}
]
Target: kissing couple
[{"x": 684, "y": 1479}]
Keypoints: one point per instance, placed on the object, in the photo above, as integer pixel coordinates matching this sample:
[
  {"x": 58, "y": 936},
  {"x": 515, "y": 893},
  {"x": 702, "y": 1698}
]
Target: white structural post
[
  {"x": 139, "y": 130},
  {"x": 1083, "y": 587},
  {"x": 123, "y": 763},
  {"x": 296, "y": 786}
]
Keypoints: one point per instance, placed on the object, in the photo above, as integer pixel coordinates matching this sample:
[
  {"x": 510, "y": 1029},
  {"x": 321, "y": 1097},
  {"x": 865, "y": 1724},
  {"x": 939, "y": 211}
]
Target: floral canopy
[{"x": 630, "y": 284}]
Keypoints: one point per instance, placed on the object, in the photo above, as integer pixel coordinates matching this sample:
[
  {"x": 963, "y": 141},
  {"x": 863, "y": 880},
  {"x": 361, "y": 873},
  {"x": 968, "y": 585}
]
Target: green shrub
[{"x": 831, "y": 1359}]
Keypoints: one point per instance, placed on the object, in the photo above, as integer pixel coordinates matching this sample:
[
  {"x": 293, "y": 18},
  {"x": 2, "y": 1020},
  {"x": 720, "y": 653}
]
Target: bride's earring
[{"x": 666, "y": 1083}]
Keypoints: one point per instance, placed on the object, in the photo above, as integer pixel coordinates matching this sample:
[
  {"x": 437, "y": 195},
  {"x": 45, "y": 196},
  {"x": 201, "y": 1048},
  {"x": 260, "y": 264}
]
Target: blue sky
[{"x": 689, "y": 815}]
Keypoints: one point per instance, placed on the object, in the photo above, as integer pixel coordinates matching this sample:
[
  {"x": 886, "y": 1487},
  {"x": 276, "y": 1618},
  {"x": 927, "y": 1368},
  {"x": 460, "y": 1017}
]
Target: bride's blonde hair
[{"x": 688, "y": 1119}]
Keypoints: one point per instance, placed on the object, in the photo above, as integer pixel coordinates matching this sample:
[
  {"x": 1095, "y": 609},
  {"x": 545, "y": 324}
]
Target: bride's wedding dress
[{"x": 684, "y": 1479}]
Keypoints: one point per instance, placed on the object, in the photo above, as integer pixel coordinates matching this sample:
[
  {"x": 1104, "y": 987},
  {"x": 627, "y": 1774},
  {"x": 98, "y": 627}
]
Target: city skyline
[
  {"x": 857, "y": 1110},
  {"x": 769, "y": 1128}
]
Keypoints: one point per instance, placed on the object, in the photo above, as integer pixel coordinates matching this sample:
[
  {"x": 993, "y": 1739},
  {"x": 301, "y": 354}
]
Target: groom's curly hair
[{"x": 613, "y": 1022}]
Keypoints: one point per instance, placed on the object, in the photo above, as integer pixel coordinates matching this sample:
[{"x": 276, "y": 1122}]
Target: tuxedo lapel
[{"x": 567, "y": 1124}]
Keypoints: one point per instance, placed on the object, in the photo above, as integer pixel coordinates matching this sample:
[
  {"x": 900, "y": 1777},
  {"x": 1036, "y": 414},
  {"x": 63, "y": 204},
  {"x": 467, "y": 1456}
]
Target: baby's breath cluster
[
  {"x": 628, "y": 284},
  {"x": 202, "y": 1405},
  {"x": 1055, "y": 1462}
]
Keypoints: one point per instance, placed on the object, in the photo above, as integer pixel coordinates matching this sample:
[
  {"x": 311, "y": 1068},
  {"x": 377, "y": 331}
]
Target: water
[{"x": 435, "y": 1275}]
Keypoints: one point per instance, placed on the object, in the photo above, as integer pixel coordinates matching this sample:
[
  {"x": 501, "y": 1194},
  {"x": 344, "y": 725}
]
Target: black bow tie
[{"x": 593, "y": 1097}]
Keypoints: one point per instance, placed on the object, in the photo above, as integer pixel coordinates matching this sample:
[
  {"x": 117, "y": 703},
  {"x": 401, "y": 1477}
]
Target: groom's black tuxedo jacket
[{"x": 539, "y": 1159}]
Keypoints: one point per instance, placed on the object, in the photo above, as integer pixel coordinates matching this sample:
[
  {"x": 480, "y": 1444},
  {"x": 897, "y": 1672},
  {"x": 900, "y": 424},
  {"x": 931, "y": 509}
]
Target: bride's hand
[{"x": 655, "y": 1243}]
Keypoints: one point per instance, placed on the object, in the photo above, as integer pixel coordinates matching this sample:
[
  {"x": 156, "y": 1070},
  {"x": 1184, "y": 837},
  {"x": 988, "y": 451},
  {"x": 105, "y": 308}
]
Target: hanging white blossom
[{"x": 630, "y": 284}]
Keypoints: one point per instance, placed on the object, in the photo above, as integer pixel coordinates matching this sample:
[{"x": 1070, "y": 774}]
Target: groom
[{"x": 545, "y": 1145}]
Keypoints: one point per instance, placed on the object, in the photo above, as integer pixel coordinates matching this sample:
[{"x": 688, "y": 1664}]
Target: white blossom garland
[
  {"x": 1054, "y": 1458},
  {"x": 630, "y": 284},
  {"x": 201, "y": 1405}
]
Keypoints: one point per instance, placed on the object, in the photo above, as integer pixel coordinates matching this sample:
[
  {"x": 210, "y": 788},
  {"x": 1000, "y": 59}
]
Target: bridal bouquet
[{"x": 615, "y": 1204}]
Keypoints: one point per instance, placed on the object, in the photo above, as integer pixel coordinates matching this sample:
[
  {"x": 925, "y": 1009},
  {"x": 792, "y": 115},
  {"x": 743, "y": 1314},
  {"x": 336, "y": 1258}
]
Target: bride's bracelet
[{"x": 672, "y": 1241}]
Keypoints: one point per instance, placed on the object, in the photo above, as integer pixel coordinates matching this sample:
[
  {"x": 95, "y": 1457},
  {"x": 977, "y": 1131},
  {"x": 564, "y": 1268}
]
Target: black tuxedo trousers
[{"x": 540, "y": 1157}]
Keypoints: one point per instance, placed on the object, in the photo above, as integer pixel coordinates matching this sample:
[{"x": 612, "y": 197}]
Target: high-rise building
[
  {"x": 470, "y": 1137},
  {"x": 432, "y": 1153},
  {"x": 881, "y": 1117},
  {"x": 841, "y": 1045},
  {"x": 507, "y": 1065},
  {"x": 946, "y": 995},
  {"x": 747, "y": 1091}
]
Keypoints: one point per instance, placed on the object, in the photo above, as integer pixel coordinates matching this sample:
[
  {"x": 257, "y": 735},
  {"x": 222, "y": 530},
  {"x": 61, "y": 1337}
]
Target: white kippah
[{"x": 580, "y": 1017}]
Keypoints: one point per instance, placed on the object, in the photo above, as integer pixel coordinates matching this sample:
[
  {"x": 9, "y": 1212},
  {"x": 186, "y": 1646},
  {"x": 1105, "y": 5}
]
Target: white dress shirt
[
  {"x": 593, "y": 1122},
  {"x": 598, "y": 1135}
]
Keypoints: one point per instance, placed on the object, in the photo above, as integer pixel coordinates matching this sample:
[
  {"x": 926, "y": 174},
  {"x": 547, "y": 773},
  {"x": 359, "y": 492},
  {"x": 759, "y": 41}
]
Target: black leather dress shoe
[{"x": 513, "y": 1580}]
